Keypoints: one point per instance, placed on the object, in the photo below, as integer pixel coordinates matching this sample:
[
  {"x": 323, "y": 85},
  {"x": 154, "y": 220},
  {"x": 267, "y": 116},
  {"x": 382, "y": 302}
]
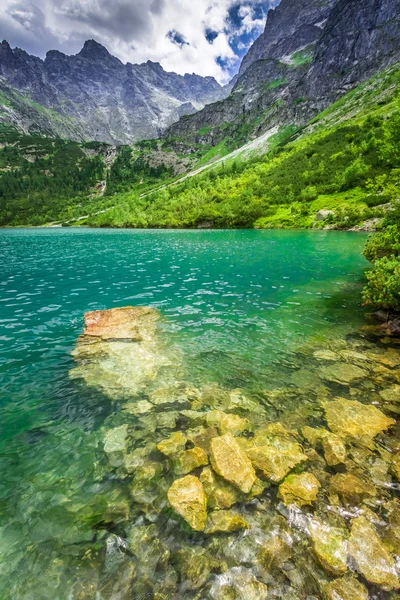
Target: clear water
[{"x": 240, "y": 307}]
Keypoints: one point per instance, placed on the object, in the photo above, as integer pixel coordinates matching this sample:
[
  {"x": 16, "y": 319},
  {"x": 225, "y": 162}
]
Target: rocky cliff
[
  {"x": 93, "y": 95},
  {"x": 310, "y": 54}
]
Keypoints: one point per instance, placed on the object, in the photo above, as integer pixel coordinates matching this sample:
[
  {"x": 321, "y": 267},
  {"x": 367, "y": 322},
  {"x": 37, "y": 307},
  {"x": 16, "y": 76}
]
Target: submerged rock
[
  {"x": 299, "y": 489},
  {"x": 187, "y": 498},
  {"x": 225, "y": 521},
  {"x": 330, "y": 546},
  {"x": 276, "y": 458},
  {"x": 391, "y": 394},
  {"x": 355, "y": 420},
  {"x": 371, "y": 557},
  {"x": 396, "y": 465},
  {"x": 342, "y": 373},
  {"x": 118, "y": 352},
  {"x": 189, "y": 460},
  {"x": 202, "y": 436},
  {"x": 334, "y": 449},
  {"x": 220, "y": 493},
  {"x": 351, "y": 489},
  {"x": 228, "y": 423},
  {"x": 231, "y": 463},
  {"x": 238, "y": 584},
  {"x": 194, "y": 567},
  {"x": 173, "y": 445},
  {"x": 345, "y": 588},
  {"x": 115, "y": 445}
]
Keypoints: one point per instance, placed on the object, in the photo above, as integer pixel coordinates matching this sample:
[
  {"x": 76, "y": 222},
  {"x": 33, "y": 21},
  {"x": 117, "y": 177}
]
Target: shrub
[{"x": 383, "y": 289}]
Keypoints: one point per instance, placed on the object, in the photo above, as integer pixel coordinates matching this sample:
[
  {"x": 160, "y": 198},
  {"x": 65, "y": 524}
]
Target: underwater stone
[
  {"x": 276, "y": 458},
  {"x": 115, "y": 444},
  {"x": 330, "y": 546},
  {"x": 138, "y": 408},
  {"x": 187, "y": 461},
  {"x": 238, "y": 584},
  {"x": 299, "y": 489},
  {"x": 231, "y": 463},
  {"x": 176, "y": 394},
  {"x": 391, "y": 394},
  {"x": 334, "y": 449},
  {"x": 173, "y": 445},
  {"x": 346, "y": 588},
  {"x": 187, "y": 498},
  {"x": 192, "y": 418},
  {"x": 151, "y": 553},
  {"x": 220, "y": 493},
  {"x": 202, "y": 437},
  {"x": 313, "y": 435},
  {"x": 373, "y": 560},
  {"x": 274, "y": 552},
  {"x": 138, "y": 457},
  {"x": 194, "y": 566},
  {"x": 342, "y": 373},
  {"x": 351, "y": 489},
  {"x": 228, "y": 423},
  {"x": 356, "y": 420},
  {"x": 166, "y": 420},
  {"x": 396, "y": 465},
  {"x": 225, "y": 521}
]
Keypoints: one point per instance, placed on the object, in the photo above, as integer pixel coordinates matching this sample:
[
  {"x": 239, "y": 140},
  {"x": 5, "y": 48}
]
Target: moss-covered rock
[
  {"x": 345, "y": 588},
  {"x": 188, "y": 499},
  {"x": 351, "y": 489},
  {"x": 187, "y": 461},
  {"x": 274, "y": 553},
  {"x": 396, "y": 465},
  {"x": 173, "y": 445},
  {"x": 349, "y": 418},
  {"x": 299, "y": 489},
  {"x": 231, "y": 463},
  {"x": 225, "y": 521},
  {"x": 371, "y": 557},
  {"x": 202, "y": 436},
  {"x": 276, "y": 458},
  {"x": 391, "y": 394},
  {"x": 150, "y": 552},
  {"x": 330, "y": 547}
]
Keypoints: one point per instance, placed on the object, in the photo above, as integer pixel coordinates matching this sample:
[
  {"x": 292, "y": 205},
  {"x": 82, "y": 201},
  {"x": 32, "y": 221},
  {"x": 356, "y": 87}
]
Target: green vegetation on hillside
[{"x": 345, "y": 162}]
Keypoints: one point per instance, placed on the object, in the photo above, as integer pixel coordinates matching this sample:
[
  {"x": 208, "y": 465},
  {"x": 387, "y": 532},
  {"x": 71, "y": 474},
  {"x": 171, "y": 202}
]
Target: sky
[{"x": 207, "y": 37}]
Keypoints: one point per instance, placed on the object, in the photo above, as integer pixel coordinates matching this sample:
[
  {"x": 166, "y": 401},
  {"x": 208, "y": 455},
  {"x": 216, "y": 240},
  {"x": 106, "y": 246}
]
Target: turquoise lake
[{"x": 239, "y": 310}]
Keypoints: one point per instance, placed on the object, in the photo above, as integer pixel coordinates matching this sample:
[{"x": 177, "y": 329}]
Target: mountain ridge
[{"x": 95, "y": 95}]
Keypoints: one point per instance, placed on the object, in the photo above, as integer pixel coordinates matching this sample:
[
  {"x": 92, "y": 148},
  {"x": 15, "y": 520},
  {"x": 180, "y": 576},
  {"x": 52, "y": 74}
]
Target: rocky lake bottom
[{"x": 232, "y": 436}]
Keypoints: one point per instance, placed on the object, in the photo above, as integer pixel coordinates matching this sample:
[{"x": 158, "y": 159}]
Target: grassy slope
[{"x": 333, "y": 164}]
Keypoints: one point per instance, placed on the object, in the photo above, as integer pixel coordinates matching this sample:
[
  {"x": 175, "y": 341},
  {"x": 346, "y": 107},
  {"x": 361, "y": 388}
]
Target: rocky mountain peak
[{"x": 93, "y": 50}]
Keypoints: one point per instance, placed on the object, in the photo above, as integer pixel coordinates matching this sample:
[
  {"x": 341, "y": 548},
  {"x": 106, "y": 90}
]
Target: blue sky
[{"x": 207, "y": 37}]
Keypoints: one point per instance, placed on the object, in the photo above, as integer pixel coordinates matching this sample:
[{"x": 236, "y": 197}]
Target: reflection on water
[{"x": 258, "y": 353}]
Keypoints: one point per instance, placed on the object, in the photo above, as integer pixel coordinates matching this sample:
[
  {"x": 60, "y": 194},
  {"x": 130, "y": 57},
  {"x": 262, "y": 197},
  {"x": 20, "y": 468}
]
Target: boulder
[
  {"x": 334, "y": 449},
  {"x": 231, "y": 463},
  {"x": 173, "y": 445},
  {"x": 346, "y": 588},
  {"x": 187, "y": 498},
  {"x": 228, "y": 423},
  {"x": 330, "y": 547},
  {"x": 349, "y": 418},
  {"x": 299, "y": 489},
  {"x": 115, "y": 444},
  {"x": 323, "y": 214},
  {"x": 371, "y": 557},
  {"x": 276, "y": 458},
  {"x": 351, "y": 489},
  {"x": 187, "y": 461},
  {"x": 225, "y": 521}
]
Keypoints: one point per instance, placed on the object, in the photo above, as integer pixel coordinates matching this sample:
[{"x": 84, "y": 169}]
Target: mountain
[
  {"x": 310, "y": 54},
  {"x": 94, "y": 96}
]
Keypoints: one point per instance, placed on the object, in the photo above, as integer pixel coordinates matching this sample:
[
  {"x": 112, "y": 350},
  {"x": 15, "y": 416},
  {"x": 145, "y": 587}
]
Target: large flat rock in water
[{"x": 127, "y": 323}]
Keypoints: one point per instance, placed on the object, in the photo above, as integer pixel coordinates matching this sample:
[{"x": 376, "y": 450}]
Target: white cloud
[{"x": 132, "y": 30}]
